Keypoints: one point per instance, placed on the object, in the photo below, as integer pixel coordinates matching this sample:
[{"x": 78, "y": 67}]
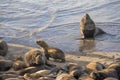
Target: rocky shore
[{"x": 80, "y": 60}]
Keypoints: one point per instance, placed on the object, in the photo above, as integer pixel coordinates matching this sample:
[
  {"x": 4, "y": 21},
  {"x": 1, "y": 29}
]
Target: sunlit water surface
[{"x": 57, "y": 22}]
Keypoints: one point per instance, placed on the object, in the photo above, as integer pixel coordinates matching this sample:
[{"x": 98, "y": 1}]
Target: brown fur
[
  {"x": 17, "y": 65},
  {"x": 51, "y": 52},
  {"x": 114, "y": 65},
  {"x": 34, "y": 57},
  {"x": 3, "y": 48},
  {"x": 100, "y": 75},
  {"x": 88, "y": 28},
  {"x": 75, "y": 70}
]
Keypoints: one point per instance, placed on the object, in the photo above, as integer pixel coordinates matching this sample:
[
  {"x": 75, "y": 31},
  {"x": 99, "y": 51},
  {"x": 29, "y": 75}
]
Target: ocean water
[{"x": 57, "y": 22}]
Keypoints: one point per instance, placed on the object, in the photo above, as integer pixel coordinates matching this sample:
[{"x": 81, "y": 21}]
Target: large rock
[
  {"x": 3, "y": 48},
  {"x": 5, "y": 65}
]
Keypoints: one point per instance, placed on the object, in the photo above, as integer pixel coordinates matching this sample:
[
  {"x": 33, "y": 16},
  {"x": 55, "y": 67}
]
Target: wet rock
[
  {"x": 5, "y": 65},
  {"x": 3, "y": 48}
]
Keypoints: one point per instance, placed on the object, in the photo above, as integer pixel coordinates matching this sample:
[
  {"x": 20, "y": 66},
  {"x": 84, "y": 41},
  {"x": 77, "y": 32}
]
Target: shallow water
[{"x": 57, "y": 22}]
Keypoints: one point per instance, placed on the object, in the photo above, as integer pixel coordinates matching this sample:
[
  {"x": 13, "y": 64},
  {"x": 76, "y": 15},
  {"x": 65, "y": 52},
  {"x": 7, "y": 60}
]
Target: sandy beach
[{"x": 80, "y": 58}]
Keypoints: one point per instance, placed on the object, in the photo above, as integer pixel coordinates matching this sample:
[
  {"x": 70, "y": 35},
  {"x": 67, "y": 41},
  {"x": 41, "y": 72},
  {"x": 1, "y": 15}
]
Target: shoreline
[{"x": 80, "y": 58}]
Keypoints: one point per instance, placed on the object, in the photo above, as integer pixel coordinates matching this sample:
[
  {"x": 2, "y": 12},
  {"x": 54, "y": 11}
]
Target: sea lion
[
  {"x": 68, "y": 67},
  {"x": 65, "y": 76},
  {"x": 75, "y": 70},
  {"x": 85, "y": 76},
  {"x": 88, "y": 28},
  {"x": 3, "y": 48},
  {"x": 76, "y": 73},
  {"x": 100, "y": 75},
  {"x": 34, "y": 57},
  {"x": 19, "y": 58},
  {"x": 5, "y": 65},
  {"x": 38, "y": 74},
  {"x": 51, "y": 52},
  {"x": 116, "y": 66},
  {"x": 94, "y": 66},
  {"x": 72, "y": 68},
  {"x": 29, "y": 70},
  {"x": 19, "y": 63}
]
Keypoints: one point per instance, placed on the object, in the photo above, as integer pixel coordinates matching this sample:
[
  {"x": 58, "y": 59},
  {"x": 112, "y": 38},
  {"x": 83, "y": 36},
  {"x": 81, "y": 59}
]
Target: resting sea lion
[
  {"x": 34, "y": 57},
  {"x": 17, "y": 65},
  {"x": 51, "y": 52},
  {"x": 100, "y": 75}
]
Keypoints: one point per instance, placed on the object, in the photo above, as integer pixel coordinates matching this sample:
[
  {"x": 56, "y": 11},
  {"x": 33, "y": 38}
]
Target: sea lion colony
[{"x": 35, "y": 65}]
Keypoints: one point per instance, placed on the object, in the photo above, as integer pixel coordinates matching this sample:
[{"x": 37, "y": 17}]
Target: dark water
[{"x": 57, "y": 22}]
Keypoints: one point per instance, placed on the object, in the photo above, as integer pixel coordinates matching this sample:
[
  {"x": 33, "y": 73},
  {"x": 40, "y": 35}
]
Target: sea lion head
[
  {"x": 42, "y": 43},
  {"x": 38, "y": 58}
]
